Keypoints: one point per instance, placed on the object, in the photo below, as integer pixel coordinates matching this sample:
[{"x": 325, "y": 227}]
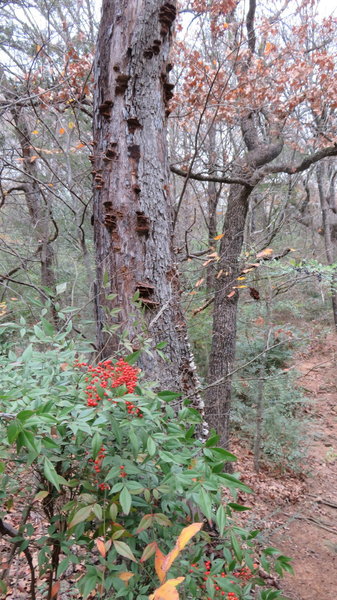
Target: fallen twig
[{"x": 7, "y": 529}]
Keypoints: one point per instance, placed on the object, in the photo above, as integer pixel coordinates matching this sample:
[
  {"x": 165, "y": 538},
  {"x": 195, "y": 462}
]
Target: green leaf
[
  {"x": 162, "y": 520},
  {"x": 3, "y": 586},
  {"x": 132, "y": 358},
  {"x": 82, "y": 515},
  {"x": 236, "y": 548},
  {"x": 41, "y": 495},
  {"x": 238, "y": 507},
  {"x": 235, "y": 483},
  {"x": 205, "y": 503},
  {"x": 145, "y": 523},
  {"x": 28, "y": 440},
  {"x": 2, "y": 467},
  {"x": 168, "y": 396},
  {"x": 113, "y": 511},
  {"x": 151, "y": 446},
  {"x": 125, "y": 500},
  {"x": 24, "y": 415},
  {"x": 27, "y": 354},
  {"x": 50, "y": 473},
  {"x": 61, "y": 287},
  {"x": 124, "y": 550},
  {"x": 13, "y": 431},
  {"x": 87, "y": 584},
  {"x": 221, "y": 454},
  {"x": 161, "y": 345},
  {"x": 221, "y": 519},
  {"x": 98, "y": 512},
  {"x": 96, "y": 444}
]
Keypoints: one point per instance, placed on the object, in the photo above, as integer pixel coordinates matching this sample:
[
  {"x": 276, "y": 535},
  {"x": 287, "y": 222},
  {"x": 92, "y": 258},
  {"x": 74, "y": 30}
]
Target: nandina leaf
[
  {"x": 158, "y": 565},
  {"x": 148, "y": 551},
  {"x": 55, "y": 590},
  {"x": 184, "y": 537},
  {"x": 125, "y": 576},
  {"x": 145, "y": 523},
  {"x": 41, "y": 495},
  {"x": 81, "y": 515},
  {"x": 187, "y": 533},
  {"x": 125, "y": 500},
  {"x": 101, "y": 547},
  {"x": 168, "y": 590},
  {"x": 124, "y": 550},
  {"x": 50, "y": 473},
  {"x": 162, "y": 519}
]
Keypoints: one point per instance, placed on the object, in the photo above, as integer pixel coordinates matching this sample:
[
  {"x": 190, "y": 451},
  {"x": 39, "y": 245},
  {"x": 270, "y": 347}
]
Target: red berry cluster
[
  {"x": 108, "y": 376},
  {"x": 97, "y": 467},
  {"x": 133, "y": 410},
  {"x": 245, "y": 574},
  {"x": 122, "y": 471}
]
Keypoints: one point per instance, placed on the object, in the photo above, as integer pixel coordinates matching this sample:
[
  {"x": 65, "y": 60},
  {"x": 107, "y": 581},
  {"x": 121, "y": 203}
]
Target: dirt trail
[
  {"x": 309, "y": 534},
  {"x": 302, "y": 516}
]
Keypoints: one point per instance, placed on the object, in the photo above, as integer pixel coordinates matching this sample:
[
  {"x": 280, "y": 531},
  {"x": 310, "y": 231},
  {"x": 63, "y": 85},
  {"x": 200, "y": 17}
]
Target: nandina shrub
[{"x": 118, "y": 473}]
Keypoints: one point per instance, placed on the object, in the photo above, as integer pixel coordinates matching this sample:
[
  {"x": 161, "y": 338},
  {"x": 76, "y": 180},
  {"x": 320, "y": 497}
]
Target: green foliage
[{"x": 114, "y": 479}]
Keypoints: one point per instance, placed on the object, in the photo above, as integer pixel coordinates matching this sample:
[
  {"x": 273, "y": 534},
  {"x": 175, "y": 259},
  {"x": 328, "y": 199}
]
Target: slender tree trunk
[
  {"x": 218, "y": 398},
  {"x": 326, "y": 200},
  {"x": 39, "y": 210},
  {"x": 132, "y": 201}
]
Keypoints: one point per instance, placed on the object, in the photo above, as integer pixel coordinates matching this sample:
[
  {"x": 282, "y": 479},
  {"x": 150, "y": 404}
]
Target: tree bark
[
  {"x": 218, "y": 398},
  {"x": 132, "y": 203},
  {"x": 327, "y": 202}
]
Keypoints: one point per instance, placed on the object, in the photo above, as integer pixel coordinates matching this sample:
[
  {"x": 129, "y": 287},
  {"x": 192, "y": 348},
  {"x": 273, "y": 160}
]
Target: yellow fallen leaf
[
  {"x": 200, "y": 281},
  {"x": 265, "y": 252},
  {"x": 168, "y": 590}
]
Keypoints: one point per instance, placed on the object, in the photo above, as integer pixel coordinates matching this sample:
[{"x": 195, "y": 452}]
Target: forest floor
[{"x": 299, "y": 514}]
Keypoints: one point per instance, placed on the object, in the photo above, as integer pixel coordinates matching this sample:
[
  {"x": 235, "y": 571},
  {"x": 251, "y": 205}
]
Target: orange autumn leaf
[
  {"x": 125, "y": 576},
  {"x": 184, "y": 537},
  {"x": 55, "y": 590},
  {"x": 268, "y": 48},
  {"x": 231, "y": 294},
  {"x": 219, "y": 237},
  {"x": 199, "y": 282},
  {"x": 265, "y": 252},
  {"x": 167, "y": 591},
  {"x": 61, "y": 131},
  {"x": 158, "y": 565},
  {"x": 101, "y": 547},
  {"x": 80, "y": 145}
]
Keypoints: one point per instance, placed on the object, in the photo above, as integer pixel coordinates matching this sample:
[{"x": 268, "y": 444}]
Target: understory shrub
[{"x": 120, "y": 477}]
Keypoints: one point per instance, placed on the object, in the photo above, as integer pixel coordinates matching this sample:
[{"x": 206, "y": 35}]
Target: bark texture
[{"x": 132, "y": 204}]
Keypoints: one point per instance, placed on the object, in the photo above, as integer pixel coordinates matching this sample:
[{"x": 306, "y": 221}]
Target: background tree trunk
[{"x": 132, "y": 204}]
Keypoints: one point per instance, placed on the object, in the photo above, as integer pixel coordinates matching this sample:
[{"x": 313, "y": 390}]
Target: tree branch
[
  {"x": 199, "y": 177},
  {"x": 302, "y": 166}
]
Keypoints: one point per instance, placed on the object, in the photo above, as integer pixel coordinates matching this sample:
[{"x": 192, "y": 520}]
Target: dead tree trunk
[{"x": 132, "y": 202}]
